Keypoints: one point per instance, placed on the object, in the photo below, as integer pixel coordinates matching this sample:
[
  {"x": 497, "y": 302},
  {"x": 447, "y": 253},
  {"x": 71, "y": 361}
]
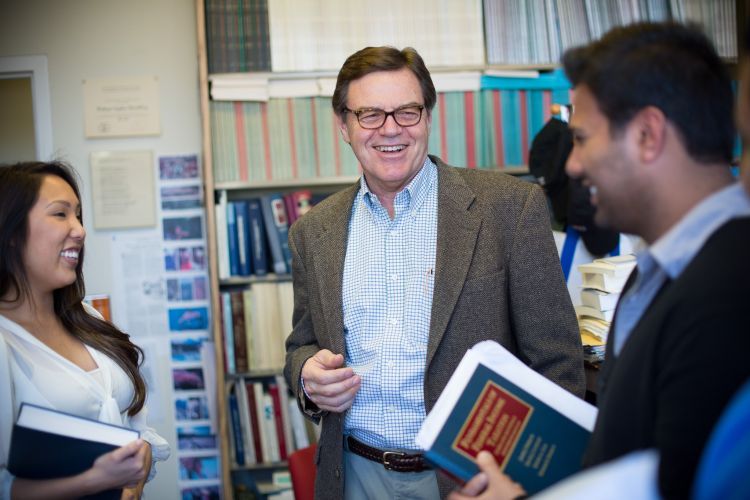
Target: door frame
[{"x": 34, "y": 67}]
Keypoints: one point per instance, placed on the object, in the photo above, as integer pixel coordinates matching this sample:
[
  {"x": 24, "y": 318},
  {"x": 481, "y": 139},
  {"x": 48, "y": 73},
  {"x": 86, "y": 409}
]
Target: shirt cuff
[{"x": 307, "y": 404}]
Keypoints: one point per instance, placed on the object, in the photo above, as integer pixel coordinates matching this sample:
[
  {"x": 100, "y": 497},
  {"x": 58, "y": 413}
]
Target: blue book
[
  {"x": 277, "y": 229},
  {"x": 536, "y": 430},
  {"x": 258, "y": 237},
  {"x": 234, "y": 415},
  {"x": 232, "y": 239},
  {"x": 243, "y": 237}
]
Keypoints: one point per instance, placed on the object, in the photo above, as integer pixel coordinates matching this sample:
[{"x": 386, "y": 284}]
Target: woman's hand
[
  {"x": 124, "y": 467},
  {"x": 490, "y": 483},
  {"x": 135, "y": 492}
]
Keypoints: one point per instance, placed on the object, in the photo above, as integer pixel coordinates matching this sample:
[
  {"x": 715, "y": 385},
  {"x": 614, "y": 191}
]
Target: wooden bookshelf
[{"x": 237, "y": 189}]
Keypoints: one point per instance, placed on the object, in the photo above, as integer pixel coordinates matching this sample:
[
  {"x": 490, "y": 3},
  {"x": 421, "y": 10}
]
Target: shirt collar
[
  {"x": 677, "y": 247},
  {"x": 415, "y": 191}
]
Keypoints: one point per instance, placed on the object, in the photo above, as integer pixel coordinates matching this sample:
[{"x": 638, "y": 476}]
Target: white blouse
[{"x": 31, "y": 372}]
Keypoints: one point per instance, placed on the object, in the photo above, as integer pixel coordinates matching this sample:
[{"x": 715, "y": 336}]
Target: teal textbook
[{"x": 536, "y": 430}]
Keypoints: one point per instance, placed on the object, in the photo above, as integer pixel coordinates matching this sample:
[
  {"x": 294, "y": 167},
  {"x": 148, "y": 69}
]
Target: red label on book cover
[{"x": 494, "y": 424}]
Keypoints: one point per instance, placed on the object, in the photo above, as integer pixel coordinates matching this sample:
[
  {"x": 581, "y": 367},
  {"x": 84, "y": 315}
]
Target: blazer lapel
[
  {"x": 458, "y": 227},
  {"x": 329, "y": 250}
]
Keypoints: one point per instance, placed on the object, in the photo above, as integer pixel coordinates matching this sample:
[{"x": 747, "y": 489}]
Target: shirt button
[
  {"x": 392, "y": 409},
  {"x": 394, "y": 321},
  {"x": 394, "y": 277},
  {"x": 391, "y": 364}
]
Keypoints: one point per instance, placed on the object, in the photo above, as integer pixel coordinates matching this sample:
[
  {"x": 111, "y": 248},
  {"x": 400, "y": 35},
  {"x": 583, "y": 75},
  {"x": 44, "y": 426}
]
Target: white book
[
  {"x": 222, "y": 235},
  {"x": 260, "y": 409},
  {"x": 609, "y": 274},
  {"x": 597, "y": 299},
  {"x": 457, "y": 81},
  {"x": 583, "y": 311},
  {"x": 269, "y": 428},
  {"x": 64, "y": 424},
  {"x": 621, "y": 265},
  {"x": 297, "y": 421},
  {"x": 246, "y": 426},
  {"x": 267, "y": 332}
]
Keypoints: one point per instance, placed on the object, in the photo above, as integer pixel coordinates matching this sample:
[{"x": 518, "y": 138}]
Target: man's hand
[
  {"x": 328, "y": 384},
  {"x": 489, "y": 484}
]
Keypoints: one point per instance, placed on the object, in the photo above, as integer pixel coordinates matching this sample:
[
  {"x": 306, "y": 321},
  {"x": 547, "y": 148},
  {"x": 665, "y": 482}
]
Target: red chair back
[{"x": 302, "y": 469}]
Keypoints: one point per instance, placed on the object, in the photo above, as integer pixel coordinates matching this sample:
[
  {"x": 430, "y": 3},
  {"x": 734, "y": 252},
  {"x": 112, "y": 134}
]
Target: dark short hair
[
  {"x": 671, "y": 66},
  {"x": 372, "y": 59}
]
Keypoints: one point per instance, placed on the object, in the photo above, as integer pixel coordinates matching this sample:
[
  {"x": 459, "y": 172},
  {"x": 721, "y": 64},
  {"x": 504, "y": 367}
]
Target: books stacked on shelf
[
  {"x": 313, "y": 36},
  {"x": 252, "y": 233},
  {"x": 603, "y": 281},
  {"x": 257, "y": 35},
  {"x": 237, "y": 36},
  {"x": 266, "y": 424},
  {"x": 513, "y": 34},
  {"x": 255, "y": 324},
  {"x": 297, "y": 138}
]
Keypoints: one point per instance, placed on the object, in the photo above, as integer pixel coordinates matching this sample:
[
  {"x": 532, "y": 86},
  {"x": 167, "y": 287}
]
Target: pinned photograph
[
  {"x": 199, "y": 467},
  {"x": 198, "y": 437},
  {"x": 188, "y": 379},
  {"x": 186, "y": 350},
  {"x": 201, "y": 493},
  {"x": 178, "y": 167},
  {"x": 185, "y": 258},
  {"x": 191, "y": 408},
  {"x": 188, "y": 318},
  {"x": 182, "y": 228},
  {"x": 181, "y": 197}
]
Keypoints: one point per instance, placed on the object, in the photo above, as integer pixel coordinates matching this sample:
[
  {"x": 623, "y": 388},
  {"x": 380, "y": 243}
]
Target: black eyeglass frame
[{"x": 386, "y": 114}]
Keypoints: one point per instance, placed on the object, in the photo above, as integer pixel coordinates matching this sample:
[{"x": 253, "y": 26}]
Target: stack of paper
[
  {"x": 603, "y": 281},
  {"x": 608, "y": 274}
]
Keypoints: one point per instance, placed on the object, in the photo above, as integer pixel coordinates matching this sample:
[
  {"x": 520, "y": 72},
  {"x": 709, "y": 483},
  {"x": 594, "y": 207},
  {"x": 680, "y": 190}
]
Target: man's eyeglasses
[{"x": 373, "y": 118}]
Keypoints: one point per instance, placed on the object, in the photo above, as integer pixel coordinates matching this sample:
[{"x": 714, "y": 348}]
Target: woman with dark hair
[{"x": 56, "y": 351}]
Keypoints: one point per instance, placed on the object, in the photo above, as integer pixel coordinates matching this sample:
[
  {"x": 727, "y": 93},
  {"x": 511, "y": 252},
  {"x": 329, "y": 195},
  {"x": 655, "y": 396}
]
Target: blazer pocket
[{"x": 483, "y": 284}]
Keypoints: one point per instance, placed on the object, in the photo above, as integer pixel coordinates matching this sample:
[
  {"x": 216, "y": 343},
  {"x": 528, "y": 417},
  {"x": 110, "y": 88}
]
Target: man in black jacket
[{"x": 653, "y": 139}]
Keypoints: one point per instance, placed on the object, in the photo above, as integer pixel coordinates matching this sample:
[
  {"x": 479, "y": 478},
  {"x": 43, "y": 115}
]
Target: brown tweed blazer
[{"x": 497, "y": 276}]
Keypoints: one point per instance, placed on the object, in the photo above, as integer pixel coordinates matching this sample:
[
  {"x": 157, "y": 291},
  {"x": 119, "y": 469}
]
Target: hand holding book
[
  {"x": 536, "y": 430},
  {"x": 490, "y": 480},
  {"x": 86, "y": 456}
]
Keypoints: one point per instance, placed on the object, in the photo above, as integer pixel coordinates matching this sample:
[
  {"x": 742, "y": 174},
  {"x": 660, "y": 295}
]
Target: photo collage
[{"x": 187, "y": 293}]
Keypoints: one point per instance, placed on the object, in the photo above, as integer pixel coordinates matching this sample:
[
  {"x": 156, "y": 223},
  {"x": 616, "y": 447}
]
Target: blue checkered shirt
[{"x": 387, "y": 298}]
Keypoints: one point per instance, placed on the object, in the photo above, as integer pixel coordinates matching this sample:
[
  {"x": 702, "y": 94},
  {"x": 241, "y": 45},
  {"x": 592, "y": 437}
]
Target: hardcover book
[
  {"x": 48, "y": 444},
  {"x": 277, "y": 228},
  {"x": 258, "y": 237},
  {"x": 536, "y": 430}
]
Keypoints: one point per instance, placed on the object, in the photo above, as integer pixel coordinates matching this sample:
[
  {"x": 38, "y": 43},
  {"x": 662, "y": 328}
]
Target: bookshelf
[{"x": 484, "y": 118}]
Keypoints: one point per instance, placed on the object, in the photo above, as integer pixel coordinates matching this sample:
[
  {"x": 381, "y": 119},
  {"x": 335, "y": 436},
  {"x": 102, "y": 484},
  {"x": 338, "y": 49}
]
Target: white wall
[{"x": 101, "y": 39}]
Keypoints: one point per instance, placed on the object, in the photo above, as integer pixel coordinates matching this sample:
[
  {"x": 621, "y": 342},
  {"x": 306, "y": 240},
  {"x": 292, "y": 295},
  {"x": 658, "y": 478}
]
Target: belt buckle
[{"x": 388, "y": 456}]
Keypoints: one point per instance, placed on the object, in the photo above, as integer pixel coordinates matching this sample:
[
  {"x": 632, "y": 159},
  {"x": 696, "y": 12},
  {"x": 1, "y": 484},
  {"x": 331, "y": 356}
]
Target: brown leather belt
[{"x": 391, "y": 460}]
